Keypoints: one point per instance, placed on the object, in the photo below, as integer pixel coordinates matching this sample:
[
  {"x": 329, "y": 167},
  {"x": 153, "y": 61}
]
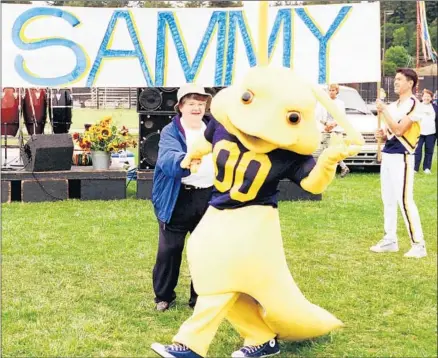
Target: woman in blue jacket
[{"x": 180, "y": 199}]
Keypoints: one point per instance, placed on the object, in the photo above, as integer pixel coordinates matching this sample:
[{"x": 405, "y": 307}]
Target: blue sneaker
[
  {"x": 270, "y": 348},
  {"x": 175, "y": 350}
]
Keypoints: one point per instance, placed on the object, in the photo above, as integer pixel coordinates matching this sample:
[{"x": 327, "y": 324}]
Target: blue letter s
[{"x": 23, "y": 43}]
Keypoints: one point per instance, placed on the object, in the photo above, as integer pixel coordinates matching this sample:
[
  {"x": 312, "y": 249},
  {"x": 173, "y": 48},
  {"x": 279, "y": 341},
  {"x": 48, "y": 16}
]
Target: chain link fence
[
  {"x": 102, "y": 98},
  {"x": 126, "y": 98}
]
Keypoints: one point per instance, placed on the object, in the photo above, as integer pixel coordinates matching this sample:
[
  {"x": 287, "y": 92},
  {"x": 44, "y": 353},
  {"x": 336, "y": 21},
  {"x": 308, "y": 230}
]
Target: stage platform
[
  {"x": 81, "y": 182},
  {"x": 289, "y": 191},
  {"x": 85, "y": 183}
]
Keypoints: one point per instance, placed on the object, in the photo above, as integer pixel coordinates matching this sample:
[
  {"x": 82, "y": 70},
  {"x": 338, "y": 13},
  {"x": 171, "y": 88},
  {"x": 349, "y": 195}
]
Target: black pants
[
  {"x": 189, "y": 209},
  {"x": 429, "y": 144}
]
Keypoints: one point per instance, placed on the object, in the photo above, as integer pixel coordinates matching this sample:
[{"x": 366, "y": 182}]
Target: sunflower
[
  {"x": 106, "y": 121},
  {"x": 112, "y": 147},
  {"x": 106, "y": 133}
]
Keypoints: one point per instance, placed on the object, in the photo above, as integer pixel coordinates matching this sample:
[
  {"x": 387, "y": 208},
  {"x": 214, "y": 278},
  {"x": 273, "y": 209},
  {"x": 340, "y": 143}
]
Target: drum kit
[{"x": 32, "y": 106}]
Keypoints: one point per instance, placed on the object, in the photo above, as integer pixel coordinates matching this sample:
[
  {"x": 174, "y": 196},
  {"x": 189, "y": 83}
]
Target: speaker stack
[
  {"x": 60, "y": 110},
  {"x": 155, "y": 106}
]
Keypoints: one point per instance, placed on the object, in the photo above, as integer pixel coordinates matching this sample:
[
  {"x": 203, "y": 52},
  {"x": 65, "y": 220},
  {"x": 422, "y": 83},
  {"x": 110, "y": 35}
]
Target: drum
[
  {"x": 35, "y": 110},
  {"x": 60, "y": 110},
  {"x": 10, "y": 113}
]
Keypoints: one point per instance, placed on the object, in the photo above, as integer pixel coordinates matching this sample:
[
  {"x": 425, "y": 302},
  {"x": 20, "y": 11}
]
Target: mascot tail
[{"x": 300, "y": 321}]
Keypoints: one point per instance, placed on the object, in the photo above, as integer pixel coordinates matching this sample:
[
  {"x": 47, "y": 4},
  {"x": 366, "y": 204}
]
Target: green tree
[
  {"x": 288, "y": 3},
  {"x": 431, "y": 13},
  {"x": 388, "y": 30},
  {"x": 398, "y": 55},
  {"x": 155, "y": 4},
  {"x": 194, "y": 3},
  {"x": 433, "y": 31},
  {"x": 400, "y": 37},
  {"x": 390, "y": 68},
  {"x": 406, "y": 11},
  {"x": 412, "y": 39},
  {"x": 403, "y": 11},
  {"x": 322, "y": 2},
  {"x": 85, "y": 3},
  {"x": 224, "y": 3}
]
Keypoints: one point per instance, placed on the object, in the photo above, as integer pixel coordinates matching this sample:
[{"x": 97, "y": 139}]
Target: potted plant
[{"x": 102, "y": 139}]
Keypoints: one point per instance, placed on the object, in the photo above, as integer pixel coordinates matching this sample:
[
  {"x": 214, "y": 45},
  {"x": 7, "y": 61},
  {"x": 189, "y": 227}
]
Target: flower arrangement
[{"x": 104, "y": 136}]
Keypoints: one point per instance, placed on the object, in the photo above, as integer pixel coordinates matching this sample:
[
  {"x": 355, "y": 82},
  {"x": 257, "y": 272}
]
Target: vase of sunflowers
[
  {"x": 102, "y": 139},
  {"x": 101, "y": 160}
]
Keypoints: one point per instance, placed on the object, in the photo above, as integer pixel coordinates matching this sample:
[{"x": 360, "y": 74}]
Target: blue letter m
[{"x": 190, "y": 70}]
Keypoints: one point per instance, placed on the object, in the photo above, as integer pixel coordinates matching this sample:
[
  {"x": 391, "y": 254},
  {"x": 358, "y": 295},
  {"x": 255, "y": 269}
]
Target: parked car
[
  {"x": 362, "y": 119},
  {"x": 372, "y": 107}
]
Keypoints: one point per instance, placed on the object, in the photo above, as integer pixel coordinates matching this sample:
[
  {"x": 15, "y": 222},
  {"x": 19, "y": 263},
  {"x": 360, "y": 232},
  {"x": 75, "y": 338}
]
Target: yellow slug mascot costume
[{"x": 264, "y": 130}]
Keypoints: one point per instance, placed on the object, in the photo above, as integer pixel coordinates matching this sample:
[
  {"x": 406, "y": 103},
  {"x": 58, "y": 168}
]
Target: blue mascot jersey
[{"x": 246, "y": 178}]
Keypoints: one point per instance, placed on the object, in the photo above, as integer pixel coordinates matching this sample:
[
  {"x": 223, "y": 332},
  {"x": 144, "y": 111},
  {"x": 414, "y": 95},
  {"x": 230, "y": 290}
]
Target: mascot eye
[
  {"x": 247, "y": 97},
  {"x": 294, "y": 117}
]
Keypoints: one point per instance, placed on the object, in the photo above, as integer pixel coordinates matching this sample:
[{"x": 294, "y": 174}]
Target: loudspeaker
[
  {"x": 48, "y": 152},
  {"x": 156, "y": 99},
  {"x": 155, "y": 106},
  {"x": 150, "y": 128},
  {"x": 60, "y": 110}
]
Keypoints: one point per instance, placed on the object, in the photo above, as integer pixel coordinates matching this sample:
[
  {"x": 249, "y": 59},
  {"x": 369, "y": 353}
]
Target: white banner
[{"x": 45, "y": 46}]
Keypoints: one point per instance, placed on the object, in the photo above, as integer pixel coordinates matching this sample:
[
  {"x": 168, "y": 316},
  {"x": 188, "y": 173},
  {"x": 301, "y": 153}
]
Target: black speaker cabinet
[
  {"x": 156, "y": 99},
  {"x": 155, "y": 106},
  {"x": 48, "y": 152},
  {"x": 60, "y": 110},
  {"x": 150, "y": 128}
]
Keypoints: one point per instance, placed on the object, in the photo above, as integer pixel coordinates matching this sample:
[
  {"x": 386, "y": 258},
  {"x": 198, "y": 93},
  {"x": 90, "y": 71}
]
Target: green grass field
[
  {"x": 126, "y": 117},
  {"x": 76, "y": 277}
]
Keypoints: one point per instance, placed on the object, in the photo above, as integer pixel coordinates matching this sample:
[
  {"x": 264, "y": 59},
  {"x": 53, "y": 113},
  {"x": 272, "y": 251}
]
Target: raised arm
[
  {"x": 171, "y": 154},
  {"x": 202, "y": 146},
  {"x": 325, "y": 169},
  {"x": 398, "y": 128}
]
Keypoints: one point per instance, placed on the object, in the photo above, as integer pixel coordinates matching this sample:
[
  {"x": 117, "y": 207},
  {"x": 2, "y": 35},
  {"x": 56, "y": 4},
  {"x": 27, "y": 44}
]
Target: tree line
[
  {"x": 400, "y": 29},
  {"x": 157, "y": 4}
]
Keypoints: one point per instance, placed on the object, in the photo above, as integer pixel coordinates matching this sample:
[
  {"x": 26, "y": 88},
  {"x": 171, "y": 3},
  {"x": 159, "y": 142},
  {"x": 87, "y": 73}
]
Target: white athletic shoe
[
  {"x": 427, "y": 171},
  {"x": 385, "y": 245},
  {"x": 417, "y": 251}
]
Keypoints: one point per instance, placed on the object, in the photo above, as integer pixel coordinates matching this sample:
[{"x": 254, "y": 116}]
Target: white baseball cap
[{"x": 190, "y": 88}]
